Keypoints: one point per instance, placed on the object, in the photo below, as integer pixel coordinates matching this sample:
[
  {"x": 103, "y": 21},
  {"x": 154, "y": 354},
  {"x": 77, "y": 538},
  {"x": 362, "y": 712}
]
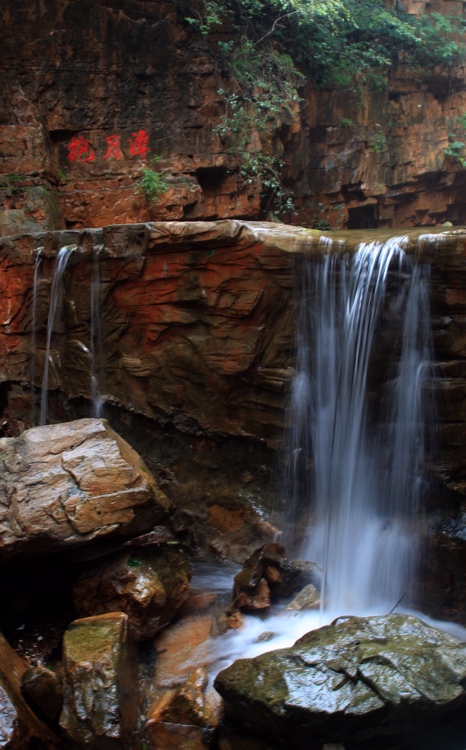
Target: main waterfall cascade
[{"x": 359, "y": 426}]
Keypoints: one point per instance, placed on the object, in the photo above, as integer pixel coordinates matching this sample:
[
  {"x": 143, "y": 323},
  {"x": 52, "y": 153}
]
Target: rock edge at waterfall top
[{"x": 356, "y": 681}]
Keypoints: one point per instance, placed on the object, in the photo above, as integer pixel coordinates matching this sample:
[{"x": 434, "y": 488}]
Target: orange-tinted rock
[
  {"x": 269, "y": 574},
  {"x": 225, "y": 519},
  {"x": 181, "y": 649}
]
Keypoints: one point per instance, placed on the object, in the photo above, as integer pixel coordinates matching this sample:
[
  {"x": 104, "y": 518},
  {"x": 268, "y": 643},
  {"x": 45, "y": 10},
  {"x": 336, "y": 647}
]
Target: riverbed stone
[
  {"x": 270, "y": 574},
  {"x": 149, "y": 585},
  {"x": 100, "y": 708},
  {"x": 66, "y": 485},
  {"x": 356, "y": 682}
]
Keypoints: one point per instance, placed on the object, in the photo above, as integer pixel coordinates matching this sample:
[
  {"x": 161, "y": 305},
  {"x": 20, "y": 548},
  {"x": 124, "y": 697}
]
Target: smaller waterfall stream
[
  {"x": 55, "y": 306},
  {"x": 35, "y": 289},
  {"x": 96, "y": 338}
]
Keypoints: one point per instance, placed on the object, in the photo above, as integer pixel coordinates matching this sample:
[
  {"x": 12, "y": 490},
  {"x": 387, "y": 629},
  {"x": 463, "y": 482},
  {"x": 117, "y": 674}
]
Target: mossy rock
[{"x": 357, "y": 682}]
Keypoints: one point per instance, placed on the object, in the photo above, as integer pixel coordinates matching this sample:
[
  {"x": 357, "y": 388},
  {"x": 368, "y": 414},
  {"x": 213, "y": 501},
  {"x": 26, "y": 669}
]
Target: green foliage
[
  {"x": 152, "y": 185},
  {"x": 264, "y": 95},
  {"x": 340, "y": 42},
  {"x": 456, "y": 146},
  {"x": 271, "y": 45},
  {"x": 134, "y": 562},
  {"x": 11, "y": 183},
  {"x": 378, "y": 143}
]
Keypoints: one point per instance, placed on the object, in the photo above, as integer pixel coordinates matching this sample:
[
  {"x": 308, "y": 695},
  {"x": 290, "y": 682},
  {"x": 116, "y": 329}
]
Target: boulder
[
  {"x": 20, "y": 728},
  {"x": 269, "y": 574},
  {"x": 100, "y": 708},
  {"x": 44, "y": 689},
  {"x": 195, "y": 707},
  {"x": 65, "y": 485},
  {"x": 359, "y": 682},
  {"x": 148, "y": 585}
]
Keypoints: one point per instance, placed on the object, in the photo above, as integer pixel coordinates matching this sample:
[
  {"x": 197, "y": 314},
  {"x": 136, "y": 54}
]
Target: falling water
[
  {"x": 96, "y": 343},
  {"x": 358, "y": 421},
  {"x": 55, "y": 308}
]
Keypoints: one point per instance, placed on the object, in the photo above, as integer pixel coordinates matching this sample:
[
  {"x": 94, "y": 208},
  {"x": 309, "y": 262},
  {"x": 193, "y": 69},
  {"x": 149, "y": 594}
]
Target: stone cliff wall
[
  {"x": 197, "y": 322},
  {"x": 92, "y": 91}
]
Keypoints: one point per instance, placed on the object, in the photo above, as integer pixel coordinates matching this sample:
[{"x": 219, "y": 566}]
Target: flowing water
[
  {"x": 37, "y": 267},
  {"x": 363, "y": 360},
  {"x": 55, "y": 310},
  {"x": 360, "y": 421}
]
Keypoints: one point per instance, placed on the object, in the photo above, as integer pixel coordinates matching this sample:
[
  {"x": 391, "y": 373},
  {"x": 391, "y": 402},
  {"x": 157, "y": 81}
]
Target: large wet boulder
[
  {"x": 20, "y": 728},
  {"x": 360, "y": 682},
  {"x": 149, "y": 585},
  {"x": 65, "y": 485},
  {"x": 100, "y": 708}
]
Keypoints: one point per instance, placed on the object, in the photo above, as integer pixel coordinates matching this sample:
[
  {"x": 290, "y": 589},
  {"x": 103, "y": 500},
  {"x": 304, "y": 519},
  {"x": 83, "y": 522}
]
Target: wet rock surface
[
  {"x": 64, "y": 486},
  {"x": 149, "y": 586},
  {"x": 100, "y": 708},
  {"x": 359, "y": 682}
]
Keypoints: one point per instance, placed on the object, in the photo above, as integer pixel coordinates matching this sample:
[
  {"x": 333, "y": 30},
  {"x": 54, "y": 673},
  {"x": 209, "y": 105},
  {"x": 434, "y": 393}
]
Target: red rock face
[{"x": 89, "y": 96}]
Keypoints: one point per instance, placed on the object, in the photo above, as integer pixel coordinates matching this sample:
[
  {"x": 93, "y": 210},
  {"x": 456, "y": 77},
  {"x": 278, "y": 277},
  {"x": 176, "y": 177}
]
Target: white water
[
  {"x": 55, "y": 309},
  {"x": 357, "y": 440},
  {"x": 35, "y": 290},
  {"x": 364, "y": 437}
]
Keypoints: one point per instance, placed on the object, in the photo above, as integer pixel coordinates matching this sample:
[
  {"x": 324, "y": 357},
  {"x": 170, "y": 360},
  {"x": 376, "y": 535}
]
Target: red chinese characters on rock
[
  {"x": 138, "y": 144},
  {"x": 113, "y": 147},
  {"x": 79, "y": 149}
]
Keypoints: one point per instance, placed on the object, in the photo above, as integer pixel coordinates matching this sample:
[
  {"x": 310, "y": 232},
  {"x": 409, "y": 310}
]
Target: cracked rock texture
[
  {"x": 350, "y": 682},
  {"x": 65, "y": 485}
]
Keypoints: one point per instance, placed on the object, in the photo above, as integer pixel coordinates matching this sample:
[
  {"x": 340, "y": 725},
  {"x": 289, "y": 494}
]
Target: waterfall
[
  {"x": 55, "y": 309},
  {"x": 358, "y": 427},
  {"x": 96, "y": 337}
]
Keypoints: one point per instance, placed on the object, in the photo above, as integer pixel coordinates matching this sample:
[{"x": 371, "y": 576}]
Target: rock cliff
[{"x": 93, "y": 92}]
